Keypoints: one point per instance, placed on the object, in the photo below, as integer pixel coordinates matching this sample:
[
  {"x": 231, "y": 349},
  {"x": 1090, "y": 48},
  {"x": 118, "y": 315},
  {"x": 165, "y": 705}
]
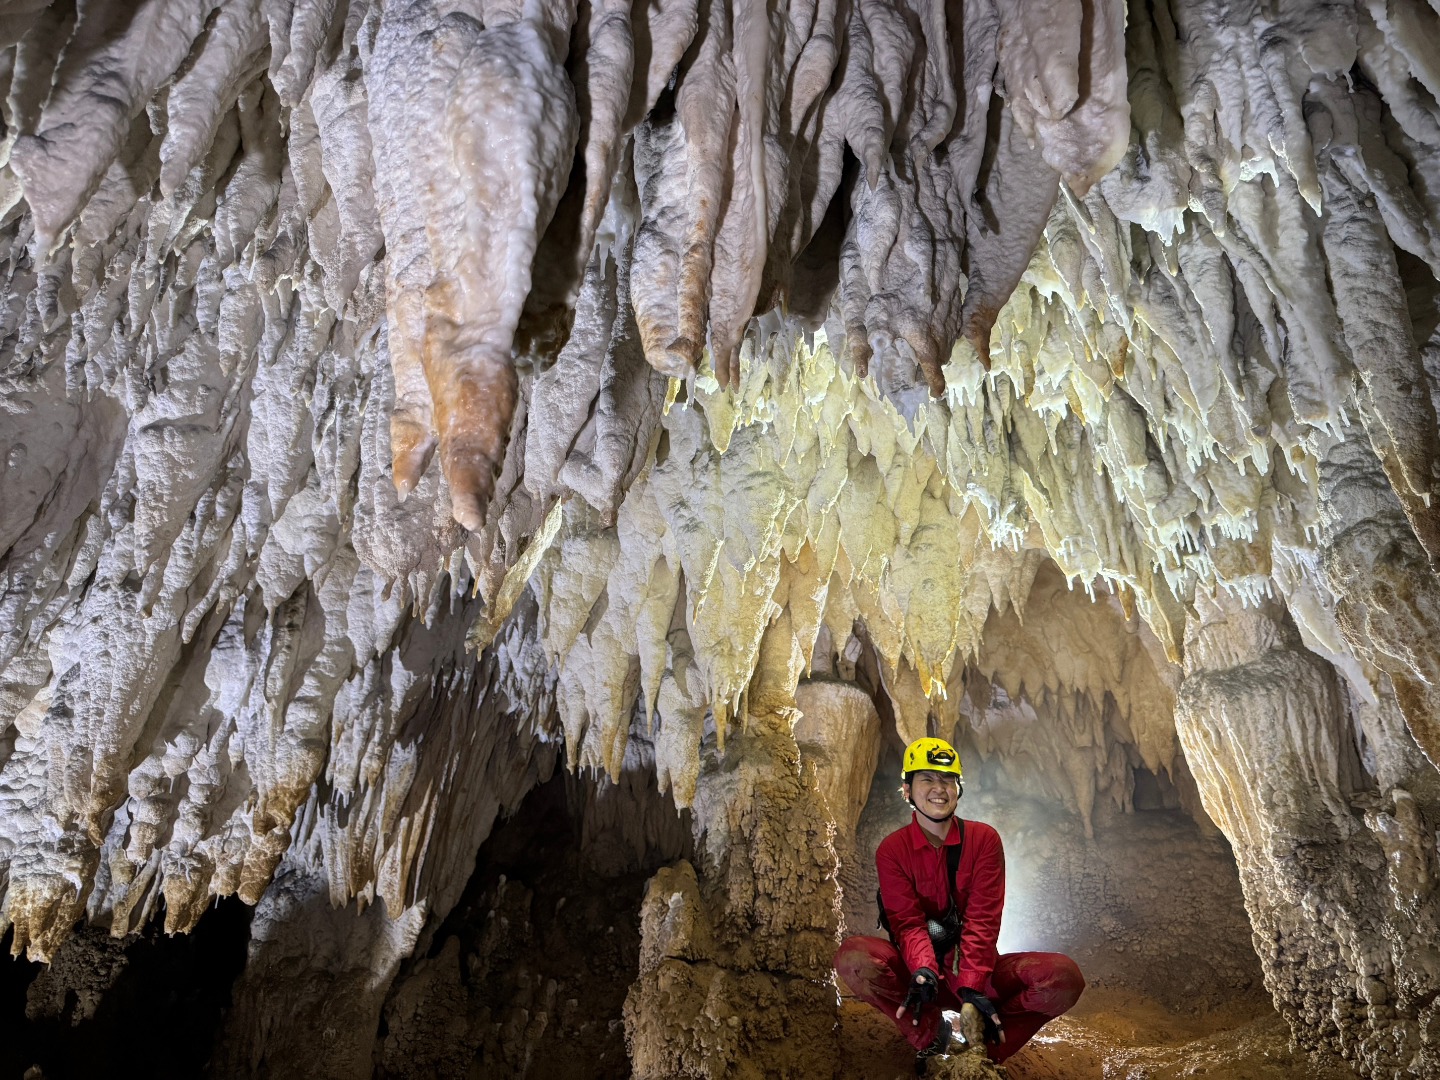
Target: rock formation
[{"x": 1057, "y": 375}]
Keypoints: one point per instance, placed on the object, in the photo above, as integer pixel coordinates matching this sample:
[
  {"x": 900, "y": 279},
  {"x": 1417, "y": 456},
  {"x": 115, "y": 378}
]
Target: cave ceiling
[{"x": 395, "y": 396}]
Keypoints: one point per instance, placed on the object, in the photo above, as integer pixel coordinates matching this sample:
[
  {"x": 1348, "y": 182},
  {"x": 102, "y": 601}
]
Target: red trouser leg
[
  {"x": 1030, "y": 989},
  {"x": 875, "y": 973}
]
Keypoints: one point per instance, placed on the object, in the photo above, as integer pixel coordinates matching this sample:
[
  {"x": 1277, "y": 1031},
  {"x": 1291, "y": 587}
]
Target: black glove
[
  {"x": 994, "y": 1033},
  {"x": 924, "y": 985}
]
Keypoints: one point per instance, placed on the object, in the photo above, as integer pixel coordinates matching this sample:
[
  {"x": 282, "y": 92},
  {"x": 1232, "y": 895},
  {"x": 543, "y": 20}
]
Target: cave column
[
  {"x": 840, "y": 733},
  {"x": 1387, "y": 596},
  {"x": 1339, "y": 880},
  {"x": 735, "y": 976}
]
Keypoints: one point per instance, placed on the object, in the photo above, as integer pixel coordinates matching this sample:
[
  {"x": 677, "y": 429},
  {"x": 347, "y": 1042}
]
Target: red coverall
[{"x": 1028, "y": 988}]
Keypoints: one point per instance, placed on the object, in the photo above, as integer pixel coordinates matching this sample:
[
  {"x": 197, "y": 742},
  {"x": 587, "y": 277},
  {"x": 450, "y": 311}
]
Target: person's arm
[
  {"x": 981, "y": 928},
  {"x": 902, "y": 908}
]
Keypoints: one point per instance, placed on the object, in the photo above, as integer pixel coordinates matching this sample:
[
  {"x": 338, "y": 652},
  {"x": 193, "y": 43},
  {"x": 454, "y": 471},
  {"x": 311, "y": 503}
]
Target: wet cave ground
[
  {"x": 1115, "y": 1035},
  {"x": 528, "y": 975}
]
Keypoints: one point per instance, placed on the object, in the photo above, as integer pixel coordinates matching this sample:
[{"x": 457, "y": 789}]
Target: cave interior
[{"x": 491, "y": 487}]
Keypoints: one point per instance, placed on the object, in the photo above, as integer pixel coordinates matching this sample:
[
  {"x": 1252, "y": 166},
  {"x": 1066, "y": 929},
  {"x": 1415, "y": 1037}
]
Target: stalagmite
[
  {"x": 735, "y": 957},
  {"x": 1332, "y": 981}
]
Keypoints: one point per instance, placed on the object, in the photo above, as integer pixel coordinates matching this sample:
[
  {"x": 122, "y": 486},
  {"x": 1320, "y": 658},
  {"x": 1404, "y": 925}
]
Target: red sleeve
[
  {"x": 902, "y": 908},
  {"x": 981, "y": 929}
]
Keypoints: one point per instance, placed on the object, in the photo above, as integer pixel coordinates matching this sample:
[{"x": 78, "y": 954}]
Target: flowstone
[
  {"x": 839, "y": 732},
  {"x": 308, "y": 1002}
]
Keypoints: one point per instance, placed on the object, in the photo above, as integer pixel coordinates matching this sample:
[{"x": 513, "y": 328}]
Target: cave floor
[{"x": 1114, "y": 1033}]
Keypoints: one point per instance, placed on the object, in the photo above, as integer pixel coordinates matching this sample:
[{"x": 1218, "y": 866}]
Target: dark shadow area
[
  {"x": 1154, "y": 791},
  {"x": 528, "y": 974},
  {"x": 155, "y": 999}
]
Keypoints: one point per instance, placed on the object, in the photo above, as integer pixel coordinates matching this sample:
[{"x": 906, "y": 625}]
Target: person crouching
[{"x": 942, "y": 888}]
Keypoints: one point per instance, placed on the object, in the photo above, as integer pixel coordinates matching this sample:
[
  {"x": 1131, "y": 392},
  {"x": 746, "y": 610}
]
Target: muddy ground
[{"x": 1114, "y": 1035}]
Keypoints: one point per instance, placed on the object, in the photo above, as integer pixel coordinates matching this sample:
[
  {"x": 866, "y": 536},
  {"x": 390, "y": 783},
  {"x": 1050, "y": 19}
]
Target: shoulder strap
[
  {"x": 952, "y": 856},
  {"x": 952, "y": 862}
]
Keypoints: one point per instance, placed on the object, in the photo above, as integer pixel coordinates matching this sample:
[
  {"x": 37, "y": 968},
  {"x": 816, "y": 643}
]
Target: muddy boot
[
  {"x": 943, "y": 1045},
  {"x": 972, "y": 1065}
]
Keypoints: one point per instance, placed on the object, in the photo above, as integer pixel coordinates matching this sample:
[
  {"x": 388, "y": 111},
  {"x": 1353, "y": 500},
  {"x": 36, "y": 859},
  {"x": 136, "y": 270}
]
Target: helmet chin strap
[{"x": 936, "y": 820}]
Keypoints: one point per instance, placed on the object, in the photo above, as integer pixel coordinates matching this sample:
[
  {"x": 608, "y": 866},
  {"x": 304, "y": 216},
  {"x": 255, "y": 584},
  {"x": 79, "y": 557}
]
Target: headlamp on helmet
[{"x": 932, "y": 755}]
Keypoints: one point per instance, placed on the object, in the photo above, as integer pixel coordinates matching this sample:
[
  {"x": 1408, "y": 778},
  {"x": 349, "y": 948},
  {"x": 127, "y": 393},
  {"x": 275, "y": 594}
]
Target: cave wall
[
  {"x": 168, "y": 993},
  {"x": 730, "y": 330},
  {"x": 1338, "y": 870}
]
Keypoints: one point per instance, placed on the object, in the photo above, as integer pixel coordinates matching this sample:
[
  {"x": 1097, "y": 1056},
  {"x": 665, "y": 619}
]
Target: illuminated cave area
[{"x": 489, "y": 490}]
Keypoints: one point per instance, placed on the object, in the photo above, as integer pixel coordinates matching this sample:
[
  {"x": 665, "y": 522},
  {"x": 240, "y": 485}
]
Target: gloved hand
[
  {"x": 924, "y": 985},
  {"x": 994, "y": 1033}
]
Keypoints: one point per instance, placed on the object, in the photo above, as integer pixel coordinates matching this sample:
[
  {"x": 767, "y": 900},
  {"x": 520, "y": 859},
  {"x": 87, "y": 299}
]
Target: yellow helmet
[{"x": 933, "y": 755}]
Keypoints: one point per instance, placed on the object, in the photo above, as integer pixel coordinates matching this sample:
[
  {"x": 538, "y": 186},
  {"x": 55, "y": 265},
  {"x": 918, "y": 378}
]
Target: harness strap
[{"x": 952, "y": 862}]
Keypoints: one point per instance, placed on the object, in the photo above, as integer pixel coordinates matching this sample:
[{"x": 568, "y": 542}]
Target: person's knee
[
  {"x": 854, "y": 965},
  {"x": 1065, "y": 984},
  {"x": 863, "y": 964}
]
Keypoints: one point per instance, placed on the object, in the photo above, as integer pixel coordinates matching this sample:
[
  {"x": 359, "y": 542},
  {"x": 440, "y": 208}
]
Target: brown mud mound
[{"x": 1110, "y": 1035}]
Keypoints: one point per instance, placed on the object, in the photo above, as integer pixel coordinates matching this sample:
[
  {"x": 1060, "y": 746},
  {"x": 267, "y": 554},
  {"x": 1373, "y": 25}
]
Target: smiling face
[{"x": 934, "y": 794}]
